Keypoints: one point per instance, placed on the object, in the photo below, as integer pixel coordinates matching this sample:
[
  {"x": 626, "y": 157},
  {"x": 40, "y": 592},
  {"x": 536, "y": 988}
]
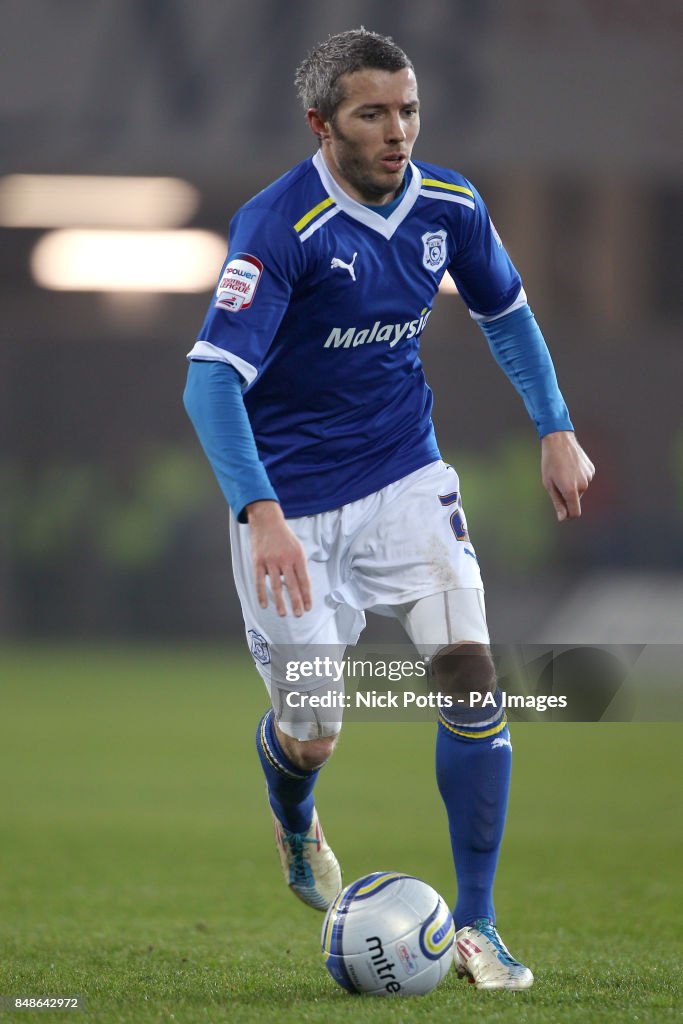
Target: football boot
[
  {"x": 481, "y": 955},
  {"x": 310, "y": 868}
]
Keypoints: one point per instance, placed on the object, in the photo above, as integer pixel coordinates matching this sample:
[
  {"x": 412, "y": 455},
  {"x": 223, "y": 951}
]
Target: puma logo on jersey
[
  {"x": 337, "y": 263},
  {"x": 500, "y": 742}
]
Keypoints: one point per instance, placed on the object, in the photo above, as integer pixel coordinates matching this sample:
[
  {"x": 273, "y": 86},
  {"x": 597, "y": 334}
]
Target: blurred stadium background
[{"x": 564, "y": 116}]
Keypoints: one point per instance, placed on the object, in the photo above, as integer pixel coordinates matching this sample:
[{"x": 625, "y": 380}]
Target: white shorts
[{"x": 402, "y": 551}]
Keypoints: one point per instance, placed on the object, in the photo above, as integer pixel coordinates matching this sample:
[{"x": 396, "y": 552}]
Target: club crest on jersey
[
  {"x": 435, "y": 249},
  {"x": 238, "y": 282}
]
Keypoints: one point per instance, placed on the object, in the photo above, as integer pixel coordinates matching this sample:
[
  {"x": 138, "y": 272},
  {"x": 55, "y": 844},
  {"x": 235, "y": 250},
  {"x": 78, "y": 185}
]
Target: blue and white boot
[
  {"x": 310, "y": 868},
  {"x": 481, "y": 955}
]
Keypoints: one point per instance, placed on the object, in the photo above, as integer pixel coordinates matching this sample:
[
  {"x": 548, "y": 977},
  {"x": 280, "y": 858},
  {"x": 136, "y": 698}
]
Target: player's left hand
[{"x": 566, "y": 471}]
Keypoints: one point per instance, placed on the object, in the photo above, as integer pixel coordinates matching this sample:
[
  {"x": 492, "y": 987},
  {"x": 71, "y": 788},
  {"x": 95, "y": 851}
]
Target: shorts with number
[{"x": 402, "y": 551}]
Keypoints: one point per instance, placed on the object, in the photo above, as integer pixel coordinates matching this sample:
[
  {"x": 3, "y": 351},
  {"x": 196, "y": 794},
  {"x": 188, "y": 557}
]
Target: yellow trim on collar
[
  {"x": 445, "y": 184},
  {"x": 307, "y": 217}
]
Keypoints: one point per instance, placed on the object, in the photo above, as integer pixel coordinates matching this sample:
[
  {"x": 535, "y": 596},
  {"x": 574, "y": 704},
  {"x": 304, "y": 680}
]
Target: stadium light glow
[
  {"x": 128, "y": 261},
  {"x": 80, "y": 200}
]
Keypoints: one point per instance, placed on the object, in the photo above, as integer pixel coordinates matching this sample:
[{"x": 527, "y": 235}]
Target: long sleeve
[
  {"x": 519, "y": 348},
  {"x": 213, "y": 400}
]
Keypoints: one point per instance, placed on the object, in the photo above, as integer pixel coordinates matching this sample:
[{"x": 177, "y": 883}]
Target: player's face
[{"x": 368, "y": 142}]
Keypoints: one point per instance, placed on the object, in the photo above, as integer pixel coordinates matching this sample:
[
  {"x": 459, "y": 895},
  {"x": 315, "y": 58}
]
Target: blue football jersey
[{"x": 321, "y": 305}]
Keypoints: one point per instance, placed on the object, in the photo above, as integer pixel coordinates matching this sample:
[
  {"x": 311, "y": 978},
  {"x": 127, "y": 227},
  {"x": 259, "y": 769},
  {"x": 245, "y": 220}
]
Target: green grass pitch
[{"x": 139, "y": 869}]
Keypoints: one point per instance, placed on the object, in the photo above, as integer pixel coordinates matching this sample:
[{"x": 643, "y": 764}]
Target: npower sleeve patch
[{"x": 239, "y": 282}]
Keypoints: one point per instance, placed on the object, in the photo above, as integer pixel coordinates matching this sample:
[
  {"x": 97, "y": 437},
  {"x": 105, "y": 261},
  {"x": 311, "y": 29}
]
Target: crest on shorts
[
  {"x": 258, "y": 646},
  {"x": 435, "y": 249}
]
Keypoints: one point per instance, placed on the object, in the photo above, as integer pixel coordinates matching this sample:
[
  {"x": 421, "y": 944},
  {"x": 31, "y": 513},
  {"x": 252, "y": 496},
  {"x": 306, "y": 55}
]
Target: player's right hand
[{"x": 277, "y": 553}]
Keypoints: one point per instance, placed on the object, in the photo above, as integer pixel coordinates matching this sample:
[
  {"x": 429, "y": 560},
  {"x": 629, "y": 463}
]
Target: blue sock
[
  {"x": 290, "y": 788},
  {"x": 473, "y": 762}
]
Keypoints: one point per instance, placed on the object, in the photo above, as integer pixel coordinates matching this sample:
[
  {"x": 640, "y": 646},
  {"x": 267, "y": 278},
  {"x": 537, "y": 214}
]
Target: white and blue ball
[{"x": 388, "y": 934}]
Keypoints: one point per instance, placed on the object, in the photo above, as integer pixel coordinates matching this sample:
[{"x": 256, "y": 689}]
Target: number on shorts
[{"x": 458, "y": 524}]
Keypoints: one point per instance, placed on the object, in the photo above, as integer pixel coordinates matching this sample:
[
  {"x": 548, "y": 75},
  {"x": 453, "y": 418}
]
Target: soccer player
[{"x": 307, "y": 393}]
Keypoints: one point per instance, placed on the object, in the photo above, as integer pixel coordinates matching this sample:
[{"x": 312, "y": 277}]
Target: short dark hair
[{"x": 317, "y": 77}]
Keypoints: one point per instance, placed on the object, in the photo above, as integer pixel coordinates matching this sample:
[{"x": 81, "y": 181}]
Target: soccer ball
[{"x": 388, "y": 934}]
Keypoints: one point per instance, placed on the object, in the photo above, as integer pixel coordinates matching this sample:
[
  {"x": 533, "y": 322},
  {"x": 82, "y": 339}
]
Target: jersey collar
[{"x": 385, "y": 226}]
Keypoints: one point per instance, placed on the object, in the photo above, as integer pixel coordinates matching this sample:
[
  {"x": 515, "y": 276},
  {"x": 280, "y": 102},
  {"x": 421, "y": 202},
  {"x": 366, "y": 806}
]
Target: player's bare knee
[
  {"x": 307, "y": 754},
  {"x": 464, "y": 669},
  {"x": 312, "y": 754}
]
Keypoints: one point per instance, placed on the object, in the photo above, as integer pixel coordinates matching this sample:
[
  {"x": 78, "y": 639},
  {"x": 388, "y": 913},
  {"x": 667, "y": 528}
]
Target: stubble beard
[{"x": 357, "y": 171}]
